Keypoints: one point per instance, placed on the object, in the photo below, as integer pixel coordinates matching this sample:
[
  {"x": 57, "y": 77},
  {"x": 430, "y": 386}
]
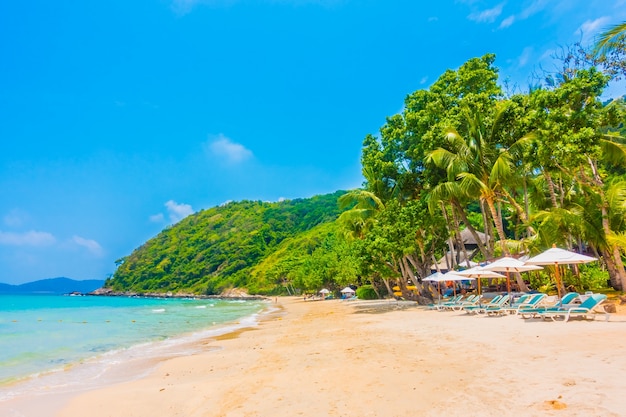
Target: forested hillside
[{"x": 218, "y": 248}]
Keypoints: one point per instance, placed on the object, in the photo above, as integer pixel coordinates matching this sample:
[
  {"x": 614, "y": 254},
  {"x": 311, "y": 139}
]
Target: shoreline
[
  {"x": 55, "y": 387},
  {"x": 336, "y": 358}
]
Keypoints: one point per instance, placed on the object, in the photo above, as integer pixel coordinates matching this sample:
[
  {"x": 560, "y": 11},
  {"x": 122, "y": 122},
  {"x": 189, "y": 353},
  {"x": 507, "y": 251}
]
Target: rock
[
  {"x": 102, "y": 291},
  {"x": 610, "y": 308},
  {"x": 235, "y": 293},
  {"x": 622, "y": 299}
]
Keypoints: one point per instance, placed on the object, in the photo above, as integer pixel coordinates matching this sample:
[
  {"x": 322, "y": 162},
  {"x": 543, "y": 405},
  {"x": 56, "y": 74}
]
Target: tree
[{"x": 570, "y": 143}]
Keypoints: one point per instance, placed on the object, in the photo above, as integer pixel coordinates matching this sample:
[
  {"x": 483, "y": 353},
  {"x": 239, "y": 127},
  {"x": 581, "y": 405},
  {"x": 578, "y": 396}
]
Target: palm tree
[
  {"x": 359, "y": 219},
  {"x": 610, "y": 39},
  {"x": 476, "y": 164}
]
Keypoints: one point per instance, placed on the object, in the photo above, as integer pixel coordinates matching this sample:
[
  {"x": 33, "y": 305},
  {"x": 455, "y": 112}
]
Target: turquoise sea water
[{"x": 63, "y": 341}]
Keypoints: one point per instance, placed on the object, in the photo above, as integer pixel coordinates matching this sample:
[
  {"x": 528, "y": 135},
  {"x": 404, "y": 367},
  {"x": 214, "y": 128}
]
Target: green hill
[{"x": 246, "y": 244}]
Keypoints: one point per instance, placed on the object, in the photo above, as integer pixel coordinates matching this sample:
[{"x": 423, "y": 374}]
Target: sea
[{"x": 57, "y": 343}]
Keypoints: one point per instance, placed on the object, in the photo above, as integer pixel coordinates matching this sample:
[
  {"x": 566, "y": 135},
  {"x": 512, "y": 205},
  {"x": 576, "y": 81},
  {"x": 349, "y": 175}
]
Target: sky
[{"x": 119, "y": 118}]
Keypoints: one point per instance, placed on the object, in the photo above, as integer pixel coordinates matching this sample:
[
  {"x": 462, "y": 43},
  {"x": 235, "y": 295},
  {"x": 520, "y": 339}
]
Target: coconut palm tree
[
  {"x": 476, "y": 163},
  {"x": 610, "y": 39}
]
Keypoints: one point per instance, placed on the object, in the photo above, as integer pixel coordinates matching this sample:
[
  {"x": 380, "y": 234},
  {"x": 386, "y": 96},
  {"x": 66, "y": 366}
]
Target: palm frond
[
  {"x": 361, "y": 199},
  {"x": 471, "y": 185},
  {"x": 502, "y": 169},
  {"x": 608, "y": 40},
  {"x": 613, "y": 152}
]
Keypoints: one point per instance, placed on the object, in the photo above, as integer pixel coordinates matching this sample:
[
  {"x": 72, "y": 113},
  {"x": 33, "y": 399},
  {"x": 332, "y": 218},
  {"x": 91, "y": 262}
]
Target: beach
[{"x": 385, "y": 358}]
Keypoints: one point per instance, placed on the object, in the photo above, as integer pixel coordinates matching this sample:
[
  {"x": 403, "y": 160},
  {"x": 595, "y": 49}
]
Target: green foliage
[
  {"x": 593, "y": 276},
  {"x": 222, "y": 247},
  {"x": 366, "y": 292}
]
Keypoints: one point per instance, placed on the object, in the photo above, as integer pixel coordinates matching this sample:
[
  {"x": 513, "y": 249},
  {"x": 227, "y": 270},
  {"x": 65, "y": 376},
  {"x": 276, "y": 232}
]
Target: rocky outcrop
[{"x": 231, "y": 294}]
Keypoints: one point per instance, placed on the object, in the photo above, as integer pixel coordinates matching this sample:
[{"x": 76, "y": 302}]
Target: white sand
[{"x": 327, "y": 358}]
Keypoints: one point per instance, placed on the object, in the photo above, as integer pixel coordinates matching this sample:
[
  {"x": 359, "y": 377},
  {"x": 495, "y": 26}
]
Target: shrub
[
  {"x": 366, "y": 292},
  {"x": 593, "y": 276}
]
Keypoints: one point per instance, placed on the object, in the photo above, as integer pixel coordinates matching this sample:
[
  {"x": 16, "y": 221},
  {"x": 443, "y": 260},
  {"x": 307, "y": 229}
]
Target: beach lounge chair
[
  {"x": 565, "y": 301},
  {"x": 440, "y": 305},
  {"x": 498, "y": 309},
  {"x": 457, "y": 301},
  {"x": 526, "y": 301},
  {"x": 468, "y": 302},
  {"x": 497, "y": 302},
  {"x": 583, "y": 310}
]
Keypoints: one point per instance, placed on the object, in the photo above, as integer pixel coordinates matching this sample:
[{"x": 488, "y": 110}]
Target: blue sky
[{"x": 118, "y": 118}]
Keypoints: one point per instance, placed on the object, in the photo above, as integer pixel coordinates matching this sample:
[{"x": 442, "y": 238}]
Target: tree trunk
[
  {"x": 488, "y": 228},
  {"x": 460, "y": 238},
  {"x": 550, "y": 183},
  {"x": 521, "y": 213},
  {"x": 498, "y": 224},
  {"x": 452, "y": 233},
  {"x": 388, "y": 286},
  {"x": 481, "y": 245}
]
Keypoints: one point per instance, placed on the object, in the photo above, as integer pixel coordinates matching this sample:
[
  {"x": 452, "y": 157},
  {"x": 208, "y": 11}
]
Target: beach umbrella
[
  {"x": 508, "y": 264},
  {"x": 557, "y": 256},
  {"x": 479, "y": 272},
  {"x": 436, "y": 277},
  {"x": 454, "y": 276}
]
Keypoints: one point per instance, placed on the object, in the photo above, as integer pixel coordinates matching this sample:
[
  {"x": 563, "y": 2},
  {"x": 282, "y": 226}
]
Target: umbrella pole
[
  {"x": 508, "y": 282},
  {"x": 478, "y": 285},
  {"x": 439, "y": 291},
  {"x": 557, "y": 278}
]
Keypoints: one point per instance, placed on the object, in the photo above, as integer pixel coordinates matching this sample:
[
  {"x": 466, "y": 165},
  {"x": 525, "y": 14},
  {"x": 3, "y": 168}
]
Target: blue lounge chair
[
  {"x": 440, "y": 305},
  {"x": 582, "y": 310},
  {"x": 468, "y": 302},
  {"x": 496, "y": 310},
  {"x": 565, "y": 301},
  {"x": 497, "y": 302},
  {"x": 457, "y": 302},
  {"x": 526, "y": 301}
]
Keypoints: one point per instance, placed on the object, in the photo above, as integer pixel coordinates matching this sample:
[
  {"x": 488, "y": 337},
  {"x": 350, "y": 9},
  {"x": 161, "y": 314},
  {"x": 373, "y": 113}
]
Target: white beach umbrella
[
  {"x": 324, "y": 291},
  {"x": 508, "y": 264},
  {"x": 436, "y": 277},
  {"x": 479, "y": 272},
  {"x": 557, "y": 256},
  {"x": 347, "y": 290},
  {"x": 454, "y": 276}
]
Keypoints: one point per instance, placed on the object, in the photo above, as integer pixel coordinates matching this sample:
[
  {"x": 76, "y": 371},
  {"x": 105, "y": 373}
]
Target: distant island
[{"x": 53, "y": 286}]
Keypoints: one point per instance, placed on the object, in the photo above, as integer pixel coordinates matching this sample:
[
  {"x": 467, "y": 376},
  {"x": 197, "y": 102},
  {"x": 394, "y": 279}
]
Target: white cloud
[
  {"x": 15, "y": 218},
  {"x": 507, "y": 22},
  {"x": 588, "y": 29},
  {"x": 30, "y": 238},
  {"x": 227, "y": 150},
  {"x": 489, "y": 15},
  {"x": 525, "y": 56},
  {"x": 90, "y": 244},
  {"x": 157, "y": 218},
  {"x": 534, "y": 8},
  {"x": 423, "y": 80},
  {"x": 177, "y": 212}
]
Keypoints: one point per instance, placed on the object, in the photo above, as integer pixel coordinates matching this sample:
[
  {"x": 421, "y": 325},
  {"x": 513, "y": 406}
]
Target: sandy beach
[{"x": 337, "y": 358}]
